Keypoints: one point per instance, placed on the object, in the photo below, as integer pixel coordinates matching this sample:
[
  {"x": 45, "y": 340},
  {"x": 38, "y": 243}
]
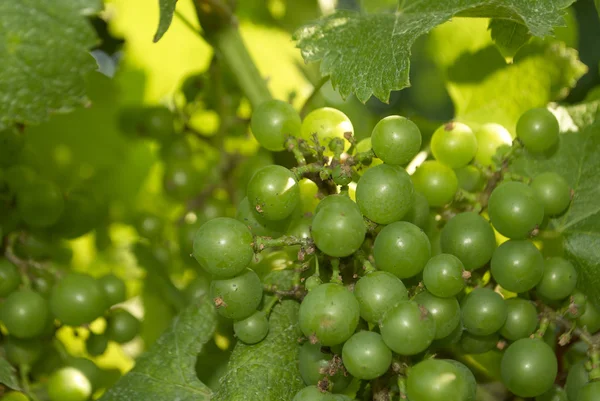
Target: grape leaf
[
  {"x": 509, "y": 36},
  {"x": 8, "y": 377},
  {"x": 368, "y": 54},
  {"x": 44, "y": 48},
  {"x": 166, "y": 372},
  {"x": 597, "y": 6},
  {"x": 577, "y": 161},
  {"x": 167, "y": 9},
  {"x": 267, "y": 370}
]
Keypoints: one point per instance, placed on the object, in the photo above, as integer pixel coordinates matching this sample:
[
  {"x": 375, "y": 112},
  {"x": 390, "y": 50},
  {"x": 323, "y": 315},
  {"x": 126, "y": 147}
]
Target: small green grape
[
  {"x": 515, "y": 210},
  {"x": 377, "y": 292},
  {"x": 338, "y": 228},
  {"x": 23, "y": 351},
  {"x": 310, "y": 393},
  {"x": 122, "y": 326},
  {"x": 553, "y": 192},
  {"x": 483, "y": 311},
  {"x": 312, "y": 282},
  {"x": 590, "y": 319},
  {"x": 114, "y": 289},
  {"x": 314, "y": 363},
  {"x": 517, "y": 265},
  {"x": 41, "y": 204},
  {"x": 274, "y": 192},
  {"x": 69, "y": 384},
  {"x": 407, "y": 328},
  {"x": 538, "y": 130},
  {"x": 366, "y": 356},
  {"x": 440, "y": 380},
  {"x": 577, "y": 377},
  {"x": 489, "y": 138},
  {"x": 590, "y": 392},
  {"x": 396, "y": 140},
  {"x": 327, "y": 123},
  {"x": 385, "y": 193},
  {"x": 470, "y": 178},
  {"x": 10, "y": 279},
  {"x": 272, "y": 121},
  {"x": 96, "y": 344},
  {"x": 330, "y": 313},
  {"x": 11, "y": 144},
  {"x": 77, "y": 299},
  {"x": 521, "y": 319},
  {"x": 444, "y": 311},
  {"x": 575, "y": 305},
  {"x": 25, "y": 314},
  {"x": 89, "y": 369},
  {"x": 238, "y": 297},
  {"x": 556, "y": 393},
  {"x": 182, "y": 180},
  {"x": 443, "y": 275},
  {"x": 558, "y": 280},
  {"x": 470, "y": 238},
  {"x": 149, "y": 226},
  {"x": 454, "y": 144},
  {"x": 252, "y": 329},
  {"x": 437, "y": 182}
]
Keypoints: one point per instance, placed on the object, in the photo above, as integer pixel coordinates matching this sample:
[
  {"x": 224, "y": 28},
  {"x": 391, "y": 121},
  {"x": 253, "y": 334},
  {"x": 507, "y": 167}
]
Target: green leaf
[
  {"x": 44, "y": 48},
  {"x": 577, "y": 161},
  {"x": 509, "y": 36},
  {"x": 167, "y": 8},
  {"x": 485, "y": 89},
  {"x": 369, "y": 54},
  {"x": 267, "y": 370},
  {"x": 167, "y": 371},
  {"x": 597, "y": 6},
  {"x": 8, "y": 376}
]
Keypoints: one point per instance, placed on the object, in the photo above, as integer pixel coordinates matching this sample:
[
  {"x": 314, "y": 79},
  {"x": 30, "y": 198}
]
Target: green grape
[
  {"x": 182, "y": 180},
  {"x": 444, "y": 311},
  {"x": 149, "y": 226},
  {"x": 114, "y": 289},
  {"x": 440, "y": 380},
  {"x": 577, "y": 377},
  {"x": 176, "y": 149},
  {"x": 366, "y": 356},
  {"x": 315, "y": 362},
  {"x": 14, "y": 396},
  {"x": 401, "y": 248},
  {"x": 385, "y": 194},
  {"x": 223, "y": 247},
  {"x": 89, "y": 369},
  {"x": 274, "y": 192},
  {"x": 437, "y": 182},
  {"x": 196, "y": 289},
  {"x": 273, "y": 121},
  {"x": 553, "y": 192},
  {"x": 310, "y": 393},
  {"x": 327, "y": 123},
  {"x": 252, "y": 329},
  {"x": 377, "y": 292},
  {"x": 538, "y": 130},
  {"x": 514, "y": 210},
  {"x": 472, "y": 344},
  {"x": 590, "y": 318},
  {"x": 443, "y": 275},
  {"x": 407, "y": 328},
  {"x": 20, "y": 177},
  {"x": 454, "y": 144},
  {"x": 154, "y": 122},
  {"x": 521, "y": 319},
  {"x": 470, "y": 238},
  {"x": 528, "y": 367},
  {"x": 517, "y": 265},
  {"x": 10, "y": 279},
  {"x": 470, "y": 178},
  {"x": 450, "y": 340},
  {"x": 483, "y": 311},
  {"x": 418, "y": 214},
  {"x": 330, "y": 200},
  {"x": 342, "y": 174},
  {"x": 80, "y": 217},
  {"x": 312, "y": 282},
  {"x": 329, "y": 313},
  {"x": 238, "y": 297},
  {"x": 69, "y": 384},
  {"x": 590, "y": 392},
  {"x": 258, "y": 224},
  {"x": 489, "y": 138},
  {"x": 43, "y": 283},
  {"x": 23, "y": 351},
  {"x": 556, "y": 393},
  {"x": 338, "y": 229},
  {"x": 41, "y": 204},
  {"x": 300, "y": 227},
  {"x": 559, "y": 279},
  {"x": 96, "y": 344},
  {"x": 77, "y": 299},
  {"x": 396, "y": 140},
  {"x": 25, "y": 314},
  {"x": 575, "y": 305},
  {"x": 11, "y": 145},
  {"x": 122, "y": 326}
]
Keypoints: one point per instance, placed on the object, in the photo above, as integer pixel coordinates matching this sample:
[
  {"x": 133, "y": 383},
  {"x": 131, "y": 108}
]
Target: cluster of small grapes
[
  {"x": 38, "y": 299},
  {"x": 395, "y": 295}
]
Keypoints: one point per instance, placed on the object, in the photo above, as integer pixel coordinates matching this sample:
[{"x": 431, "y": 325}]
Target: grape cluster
[
  {"x": 39, "y": 297},
  {"x": 396, "y": 268}
]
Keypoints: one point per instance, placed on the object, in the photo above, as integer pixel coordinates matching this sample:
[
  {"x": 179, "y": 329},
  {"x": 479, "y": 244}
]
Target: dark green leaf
[
  {"x": 8, "y": 376},
  {"x": 167, "y": 8},
  {"x": 44, "y": 48},
  {"x": 267, "y": 370},
  {"x": 167, "y": 371},
  {"x": 577, "y": 161},
  {"x": 509, "y": 36},
  {"x": 369, "y": 54},
  {"x": 597, "y": 6}
]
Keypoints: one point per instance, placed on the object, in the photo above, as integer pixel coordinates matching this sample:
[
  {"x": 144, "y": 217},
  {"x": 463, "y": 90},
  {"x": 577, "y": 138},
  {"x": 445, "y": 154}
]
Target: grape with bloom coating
[
  {"x": 483, "y": 311},
  {"x": 122, "y": 326},
  {"x": 517, "y": 265},
  {"x": 329, "y": 313},
  {"x": 529, "y": 367},
  {"x": 396, "y": 140},
  {"x": 114, "y": 289},
  {"x": 10, "y": 279},
  {"x": 252, "y": 329},
  {"x": 470, "y": 238},
  {"x": 24, "y": 313},
  {"x": 521, "y": 319},
  {"x": 272, "y": 121},
  {"x": 377, "y": 292},
  {"x": 402, "y": 249},
  {"x": 558, "y": 280},
  {"x": 327, "y": 123},
  {"x": 273, "y": 192},
  {"x": 77, "y": 299},
  {"x": 553, "y": 192},
  {"x": 440, "y": 380},
  {"x": 538, "y": 130},
  {"x": 338, "y": 228},
  {"x": 223, "y": 247},
  {"x": 366, "y": 356},
  {"x": 238, "y": 297},
  {"x": 407, "y": 328},
  {"x": 443, "y": 275},
  {"x": 385, "y": 193},
  {"x": 437, "y": 182},
  {"x": 444, "y": 311},
  {"x": 454, "y": 144},
  {"x": 515, "y": 210}
]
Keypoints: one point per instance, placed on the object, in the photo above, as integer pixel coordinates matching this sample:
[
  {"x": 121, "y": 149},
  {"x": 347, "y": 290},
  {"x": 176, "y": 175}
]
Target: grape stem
[
  {"x": 366, "y": 264},
  {"x": 261, "y": 243},
  {"x": 567, "y": 324},
  {"x": 336, "y": 277},
  {"x": 21, "y": 264}
]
